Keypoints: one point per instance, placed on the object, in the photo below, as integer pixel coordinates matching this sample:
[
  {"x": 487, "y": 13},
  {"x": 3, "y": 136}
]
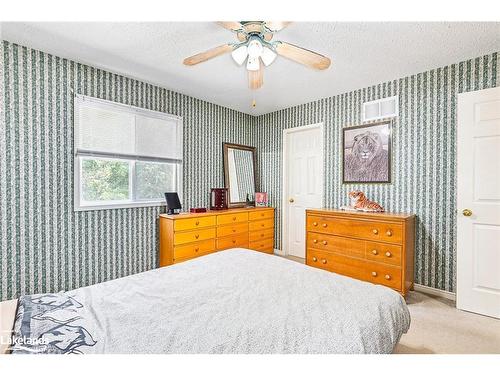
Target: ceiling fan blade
[
  {"x": 256, "y": 78},
  {"x": 231, "y": 25},
  {"x": 303, "y": 56},
  {"x": 276, "y": 25},
  {"x": 207, "y": 55}
]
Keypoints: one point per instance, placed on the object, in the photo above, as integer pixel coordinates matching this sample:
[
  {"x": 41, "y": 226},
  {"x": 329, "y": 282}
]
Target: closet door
[{"x": 478, "y": 202}]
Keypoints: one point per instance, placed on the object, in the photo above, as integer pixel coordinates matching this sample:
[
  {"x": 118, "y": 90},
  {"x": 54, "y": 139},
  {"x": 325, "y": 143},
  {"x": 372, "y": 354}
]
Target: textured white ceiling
[{"x": 362, "y": 54}]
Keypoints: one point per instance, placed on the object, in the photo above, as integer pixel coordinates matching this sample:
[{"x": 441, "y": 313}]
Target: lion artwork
[{"x": 367, "y": 160}]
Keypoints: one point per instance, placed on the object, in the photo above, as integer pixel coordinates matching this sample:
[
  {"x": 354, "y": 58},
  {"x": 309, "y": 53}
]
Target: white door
[
  {"x": 303, "y": 183},
  {"x": 478, "y": 202}
]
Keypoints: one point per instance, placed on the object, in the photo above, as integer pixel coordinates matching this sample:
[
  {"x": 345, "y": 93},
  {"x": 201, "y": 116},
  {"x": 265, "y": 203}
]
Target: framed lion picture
[{"x": 367, "y": 153}]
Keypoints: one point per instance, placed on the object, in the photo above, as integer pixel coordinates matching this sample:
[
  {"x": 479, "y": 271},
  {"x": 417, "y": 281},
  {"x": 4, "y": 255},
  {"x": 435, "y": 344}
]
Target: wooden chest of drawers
[
  {"x": 186, "y": 236},
  {"x": 374, "y": 247}
]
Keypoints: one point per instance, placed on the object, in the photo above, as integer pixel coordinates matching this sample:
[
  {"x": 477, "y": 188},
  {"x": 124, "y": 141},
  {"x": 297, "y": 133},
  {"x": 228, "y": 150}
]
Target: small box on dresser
[
  {"x": 374, "y": 247},
  {"x": 190, "y": 235}
]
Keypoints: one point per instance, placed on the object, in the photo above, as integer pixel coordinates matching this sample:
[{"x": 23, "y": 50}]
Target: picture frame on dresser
[{"x": 367, "y": 153}]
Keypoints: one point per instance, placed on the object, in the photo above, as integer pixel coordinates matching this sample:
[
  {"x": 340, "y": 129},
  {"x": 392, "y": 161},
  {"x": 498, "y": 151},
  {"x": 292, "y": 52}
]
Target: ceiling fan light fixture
[
  {"x": 255, "y": 48},
  {"x": 240, "y": 54},
  {"x": 268, "y": 56},
  {"x": 253, "y": 63}
]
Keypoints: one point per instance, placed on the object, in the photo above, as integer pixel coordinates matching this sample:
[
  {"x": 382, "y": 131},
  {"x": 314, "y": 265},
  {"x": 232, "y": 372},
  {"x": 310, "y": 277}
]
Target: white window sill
[{"x": 112, "y": 206}]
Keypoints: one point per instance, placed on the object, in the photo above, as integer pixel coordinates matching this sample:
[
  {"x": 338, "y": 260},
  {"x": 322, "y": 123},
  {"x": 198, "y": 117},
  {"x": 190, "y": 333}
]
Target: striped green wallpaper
[
  {"x": 45, "y": 245},
  {"x": 424, "y": 155}
]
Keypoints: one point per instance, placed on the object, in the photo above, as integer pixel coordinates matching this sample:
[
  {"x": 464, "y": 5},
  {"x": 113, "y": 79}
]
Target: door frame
[{"x": 284, "y": 178}]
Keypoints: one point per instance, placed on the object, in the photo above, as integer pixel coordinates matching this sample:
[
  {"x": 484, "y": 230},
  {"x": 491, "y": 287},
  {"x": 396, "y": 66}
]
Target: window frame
[{"x": 80, "y": 155}]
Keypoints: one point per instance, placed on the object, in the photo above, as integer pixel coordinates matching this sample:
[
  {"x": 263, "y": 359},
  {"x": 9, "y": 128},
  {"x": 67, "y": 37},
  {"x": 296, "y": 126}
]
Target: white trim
[
  {"x": 434, "y": 292},
  {"x": 284, "y": 178},
  {"x": 79, "y": 154},
  {"x": 130, "y": 203}
]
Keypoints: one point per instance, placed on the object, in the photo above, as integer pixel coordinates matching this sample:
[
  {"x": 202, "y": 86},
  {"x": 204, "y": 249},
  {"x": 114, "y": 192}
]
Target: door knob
[
  {"x": 467, "y": 212},
  {"x": 291, "y": 200}
]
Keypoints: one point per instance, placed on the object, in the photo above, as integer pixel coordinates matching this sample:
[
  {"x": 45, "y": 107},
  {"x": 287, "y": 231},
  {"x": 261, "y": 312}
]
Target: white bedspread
[{"x": 234, "y": 301}]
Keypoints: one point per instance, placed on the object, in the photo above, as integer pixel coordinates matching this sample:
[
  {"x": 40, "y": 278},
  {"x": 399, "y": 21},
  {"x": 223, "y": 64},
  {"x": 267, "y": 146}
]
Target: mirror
[{"x": 239, "y": 173}]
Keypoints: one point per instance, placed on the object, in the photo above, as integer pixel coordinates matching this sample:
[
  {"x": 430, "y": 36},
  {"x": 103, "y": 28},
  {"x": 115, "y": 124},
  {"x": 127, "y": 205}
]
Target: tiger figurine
[{"x": 361, "y": 203}]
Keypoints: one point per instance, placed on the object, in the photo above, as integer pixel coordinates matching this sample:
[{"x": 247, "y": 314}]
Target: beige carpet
[{"x": 438, "y": 327}]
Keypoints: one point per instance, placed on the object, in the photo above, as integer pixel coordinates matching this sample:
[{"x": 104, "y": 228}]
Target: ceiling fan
[{"x": 256, "y": 47}]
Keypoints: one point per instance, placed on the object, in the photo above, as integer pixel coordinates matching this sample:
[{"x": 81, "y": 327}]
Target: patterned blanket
[{"x": 234, "y": 301}]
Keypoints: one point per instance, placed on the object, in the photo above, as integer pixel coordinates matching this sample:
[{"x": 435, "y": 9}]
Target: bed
[{"x": 233, "y": 301}]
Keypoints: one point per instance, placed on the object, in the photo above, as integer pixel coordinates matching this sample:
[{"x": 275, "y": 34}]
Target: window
[
  {"x": 124, "y": 156},
  {"x": 381, "y": 108}
]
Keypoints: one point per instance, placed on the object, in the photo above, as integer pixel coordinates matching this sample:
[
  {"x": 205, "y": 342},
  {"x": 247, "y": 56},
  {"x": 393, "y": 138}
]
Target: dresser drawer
[
  {"x": 261, "y": 234},
  {"x": 194, "y": 249},
  {"x": 319, "y": 259},
  {"x": 232, "y": 218},
  {"x": 194, "y": 223},
  {"x": 356, "y": 268},
  {"x": 261, "y": 214},
  {"x": 383, "y": 274},
  {"x": 266, "y": 246},
  {"x": 336, "y": 244},
  {"x": 385, "y": 253},
  {"x": 377, "y": 273},
  {"x": 238, "y": 240},
  {"x": 365, "y": 229},
  {"x": 261, "y": 224},
  {"x": 193, "y": 236},
  {"x": 227, "y": 230}
]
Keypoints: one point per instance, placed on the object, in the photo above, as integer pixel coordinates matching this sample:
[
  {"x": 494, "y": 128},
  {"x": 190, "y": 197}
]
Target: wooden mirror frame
[{"x": 225, "y": 147}]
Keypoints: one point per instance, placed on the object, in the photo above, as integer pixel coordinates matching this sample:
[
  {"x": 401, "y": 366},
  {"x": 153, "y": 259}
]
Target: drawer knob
[
  {"x": 262, "y": 234},
  {"x": 374, "y": 274},
  {"x": 388, "y": 254},
  {"x": 323, "y": 261},
  {"x": 374, "y": 252},
  {"x": 234, "y": 230},
  {"x": 387, "y": 277},
  {"x": 262, "y": 225},
  {"x": 375, "y": 231},
  {"x": 389, "y": 233},
  {"x": 234, "y": 218},
  {"x": 197, "y": 223},
  {"x": 325, "y": 225},
  {"x": 315, "y": 224},
  {"x": 315, "y": 259},
  {"x": 325, "y": 243},
  {"x": 262, "y": 215},
  {"x": 315, "y": 241},
  {"x": 234, "y": 241},
  {"x": 196, "y": 236},
  {"x": 196, "y": 250}
]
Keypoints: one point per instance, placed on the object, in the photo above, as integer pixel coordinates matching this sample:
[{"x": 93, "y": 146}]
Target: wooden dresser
[
  {"x": 186, "y": 236},
  {"x": 374, "y": 247}
]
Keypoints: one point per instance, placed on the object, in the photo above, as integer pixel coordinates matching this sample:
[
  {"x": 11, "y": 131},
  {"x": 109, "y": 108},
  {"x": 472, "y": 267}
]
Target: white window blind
[
  {"x": 109, "y": 128},
  {"x": 125, "y": 156}
]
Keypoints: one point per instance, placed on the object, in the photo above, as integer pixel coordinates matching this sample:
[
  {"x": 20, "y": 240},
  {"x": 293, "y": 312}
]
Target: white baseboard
[
  {"x": 279, "y": 252},
  {"x": 434, "y": 292}
]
